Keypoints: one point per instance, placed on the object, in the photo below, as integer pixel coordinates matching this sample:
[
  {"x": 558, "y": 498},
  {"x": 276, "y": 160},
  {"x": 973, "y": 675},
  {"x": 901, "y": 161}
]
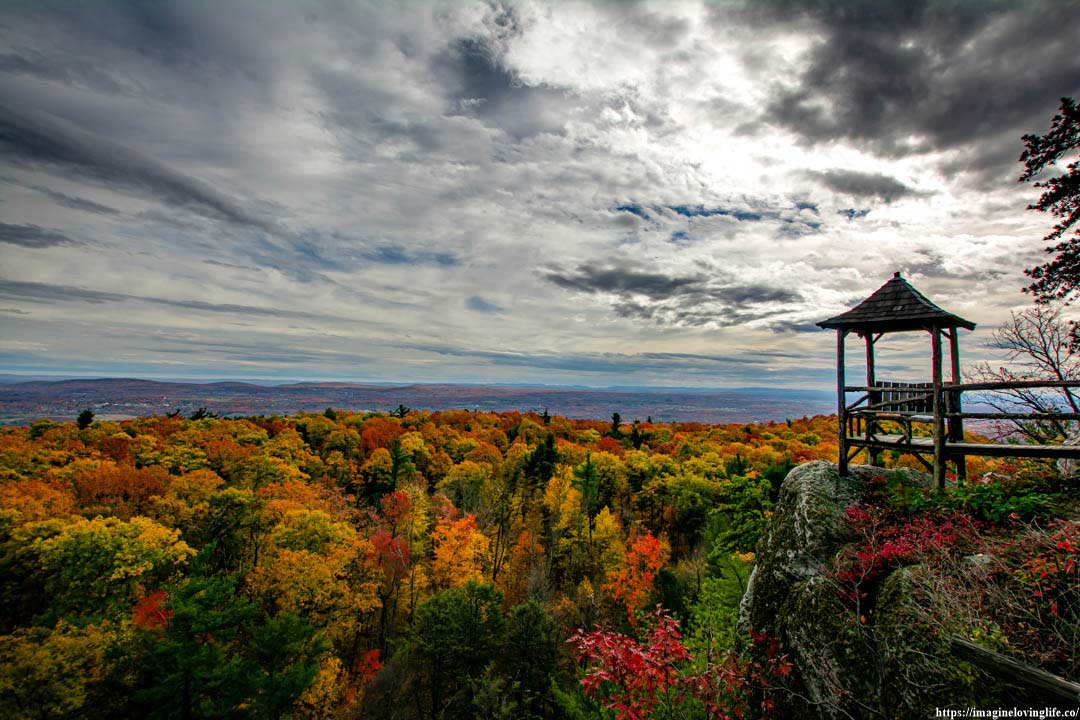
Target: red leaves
[
  {"x": 122, "y": 490},
  {"x": 631, "y": 584},
  {"x": 391, "y": 554},
  {"x": 150, "y": 612},
  {"x": 1053, "y": 574},
  {"x": 368, "y": 666},
  {"x": 886, "y": 546},
  {"x": 633, "y": 678},
  {"x": 632, "y": 675},
  {"x": 379, "y": 432},
  {"x": 395, "y": 507}
]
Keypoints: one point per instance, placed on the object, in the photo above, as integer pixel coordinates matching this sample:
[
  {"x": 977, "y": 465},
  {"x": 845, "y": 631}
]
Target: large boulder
[
  {"x": 791, "y": 594},
  {"x": 809, "y": 524}
]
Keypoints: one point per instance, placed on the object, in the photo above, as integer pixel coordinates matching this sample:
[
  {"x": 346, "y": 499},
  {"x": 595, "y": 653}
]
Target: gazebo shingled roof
[{"x": 895, "y": 307}]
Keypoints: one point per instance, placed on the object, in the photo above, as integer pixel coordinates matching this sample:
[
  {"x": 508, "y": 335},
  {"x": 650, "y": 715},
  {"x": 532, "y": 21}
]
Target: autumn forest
[
  {"x": 405, "y": 565},
  {"x": 368, "y": 565}
]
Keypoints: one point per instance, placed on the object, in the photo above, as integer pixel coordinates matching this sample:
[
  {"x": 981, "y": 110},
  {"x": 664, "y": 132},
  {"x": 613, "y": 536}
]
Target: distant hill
[{"x": 118, "y": 398}]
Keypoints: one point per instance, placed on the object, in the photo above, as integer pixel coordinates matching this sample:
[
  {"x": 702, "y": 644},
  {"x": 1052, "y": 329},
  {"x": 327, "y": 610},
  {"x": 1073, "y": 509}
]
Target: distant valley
[{"x": 116, "y": 399}]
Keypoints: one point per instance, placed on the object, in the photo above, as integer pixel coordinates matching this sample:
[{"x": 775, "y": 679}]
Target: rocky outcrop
[
  {"x": 879, "y": 661},
  {"x": 808, "y": 524}
]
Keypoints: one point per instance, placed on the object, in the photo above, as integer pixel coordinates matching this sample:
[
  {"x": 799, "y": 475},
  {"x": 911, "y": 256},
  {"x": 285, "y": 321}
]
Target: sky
[{"x": 589, "y": 193}]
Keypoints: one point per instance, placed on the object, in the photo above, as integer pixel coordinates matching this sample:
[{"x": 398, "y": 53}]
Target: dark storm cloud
[
  {"x": 41, "y": 141},
  {"x": 32, "y": 236},
  {"x": 698, "y": 314},
  {"x": 49, "y": 293},
  {"x": 944, "y": 74},
  {"x": 627, "y": 280},
  {"x": 591, "y": 278},
  {"x": 754, "y": 295},
  {"x": 864, "y": 185},
  {"x": 690, "y": 300}
]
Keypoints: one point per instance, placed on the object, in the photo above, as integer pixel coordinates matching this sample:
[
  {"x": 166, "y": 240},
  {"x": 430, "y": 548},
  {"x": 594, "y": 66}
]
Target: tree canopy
[{"x": 1058, "y": 278}]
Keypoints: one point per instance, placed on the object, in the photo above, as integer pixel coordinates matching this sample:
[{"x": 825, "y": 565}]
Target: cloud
[
  {"x": 618, "y": 363},
  {"x": 50, "y": 293},
  {"x": 481, "y": 305},
  {"x": 697, "y": 299},
  {"x": 591, "y": 278},
  {"x": 702, "y": 211},
  {"x": 921, "y": 76},
  {"x": 864, "y": 185},
  {"x": 76, "y": 203},
  {"x": 397, "y": 254},
  {"x": 32, "y": 236},
  {"x": 47, "y": 142},
  {"x": 853, "y": 213}
]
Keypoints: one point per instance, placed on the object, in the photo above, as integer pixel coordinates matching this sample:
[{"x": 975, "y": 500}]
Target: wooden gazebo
[
  {"x": 898, "y": 307},
  {"x": 885, "y": 415}
]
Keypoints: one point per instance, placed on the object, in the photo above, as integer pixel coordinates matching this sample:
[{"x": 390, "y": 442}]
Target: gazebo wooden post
[
  {"x": 873, "y": 454},
  {"x": 841, "y": 411},
  {"x": 956, "y": 425},
  {"x": 939, "y": 409}
]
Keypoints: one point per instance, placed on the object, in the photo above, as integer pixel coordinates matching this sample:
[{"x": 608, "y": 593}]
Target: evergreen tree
[
  {"x": 86, "y": 417},
  {"x": 541, "y": 463}
]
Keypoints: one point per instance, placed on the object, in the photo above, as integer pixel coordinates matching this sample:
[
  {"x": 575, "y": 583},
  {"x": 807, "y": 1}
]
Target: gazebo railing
[{"x": 886, "y": 406}]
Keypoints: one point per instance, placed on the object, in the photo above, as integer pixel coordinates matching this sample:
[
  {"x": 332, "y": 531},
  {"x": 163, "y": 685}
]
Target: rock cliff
[{"x": 883, "y": 660}]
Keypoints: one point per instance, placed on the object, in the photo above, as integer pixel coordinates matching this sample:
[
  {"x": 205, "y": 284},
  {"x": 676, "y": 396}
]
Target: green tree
[
  {"x": 51, "y": 673},
  {"x": 86, "y": 417},
  {"x": 286, "y": 651},
  {"x": 195, "y": 670},
  {"x": 458, "y": 633},
  {"x": 616, "y": 421},
  {"x": 40, "y": 427},
  {"x": 541, "y": 463},
  {"x": 739, "y": 519},
  {"x": 1059, "y": 278},
  {"x": 528, "y": 658}
]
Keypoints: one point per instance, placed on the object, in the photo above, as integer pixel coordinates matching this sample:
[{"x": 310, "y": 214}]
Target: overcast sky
[{"x": 594, "y": 193}]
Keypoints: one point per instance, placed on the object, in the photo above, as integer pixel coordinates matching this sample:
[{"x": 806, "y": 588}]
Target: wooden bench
[{"x": 902, "y": 402}]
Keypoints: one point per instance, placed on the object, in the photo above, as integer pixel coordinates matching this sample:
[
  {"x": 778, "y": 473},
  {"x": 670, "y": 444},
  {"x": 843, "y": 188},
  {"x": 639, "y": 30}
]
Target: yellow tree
[{"x": 461, "y": 552}]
